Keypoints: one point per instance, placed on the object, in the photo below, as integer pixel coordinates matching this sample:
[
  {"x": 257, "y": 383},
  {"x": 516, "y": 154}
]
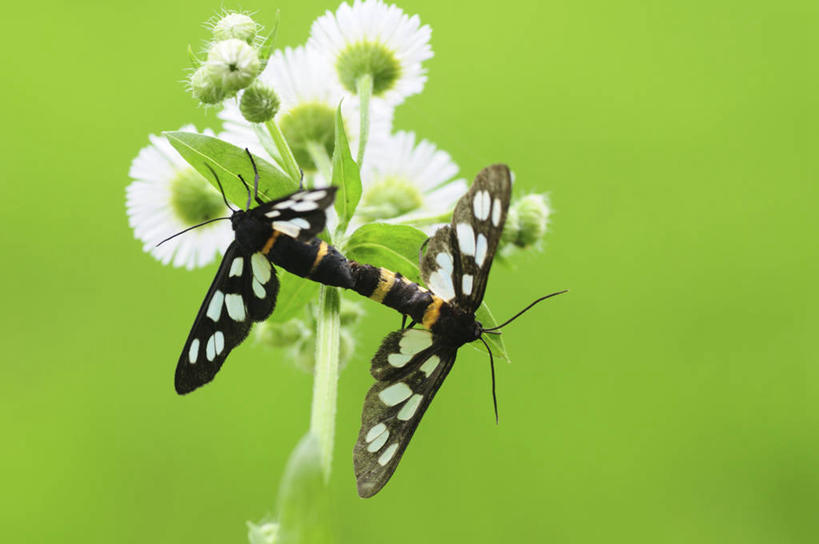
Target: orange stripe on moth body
[
  {"x": 270, "y": 242},
  {"x": 320, "y": 254},
  {"x": 432, "y": 312},
  {"x": 386, "y": 279}
]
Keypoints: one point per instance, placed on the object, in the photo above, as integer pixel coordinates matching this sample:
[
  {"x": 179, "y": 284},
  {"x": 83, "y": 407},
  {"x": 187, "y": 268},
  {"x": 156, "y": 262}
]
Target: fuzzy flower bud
[
  {"x": 259, "y": 103},
  {"x": 206, "y": 86},
  {"x": 533, "y": 215},
  {"x": 351, "y": 312},
  {"x": 235, "y": 62},
  {"x": 235, "y": 26}
]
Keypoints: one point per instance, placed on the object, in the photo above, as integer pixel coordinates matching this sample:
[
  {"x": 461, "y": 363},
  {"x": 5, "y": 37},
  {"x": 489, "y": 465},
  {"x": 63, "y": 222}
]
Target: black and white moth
[
  {"x": 245, "y": 287},
  {"x": 411, "y": 363}
]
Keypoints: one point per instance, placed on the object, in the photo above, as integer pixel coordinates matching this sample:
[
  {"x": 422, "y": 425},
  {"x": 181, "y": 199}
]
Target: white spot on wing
[
  {"x": 441, "y": 285},
  {"x": 375, "y": 431},
  {"x": 480, "y": 250},
  {"x": 430, "y": 365},
  {"x": 387, "y": 455},
  {"x": 480, "y": 205},
  {"x": 379, "y": 441},
  {"x": 304, "y": 206},
  {"x": 408, "y": 410},
  {"x": 235, "y": 307},
  {"x": 315, "y": 195},
  {"x": 466, "y": 284},
  {"x": 398, "y": 359},
  {"x": 210, "y": 349},
  {"x": 394, "y": 394},
  {"x": 193, "y": 352},
  {"x": 444, "y": 261},
  {"x": 215, "y": 306},
  {"x": 466, "y": 238},
  {"x": 261, "y": 267},
  {"x": 282, "y": 205},
  {"x": 414, "y": 340},
  {"x": 273, "y": 213},
  {"x": 300, "y": 222},
  {"x": 258, "y": 289},
  {"x": 496, "y": 212},
  {"x": 220, "y": 341},
  {"x": 236, "y": 266}
]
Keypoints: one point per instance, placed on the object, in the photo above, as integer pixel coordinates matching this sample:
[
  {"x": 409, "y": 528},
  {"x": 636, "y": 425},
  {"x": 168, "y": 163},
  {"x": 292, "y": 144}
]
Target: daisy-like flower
[
  {"x": 168, "y": 196},
  {"x": 405, "y": 182},
  {"x": 308, "y": 97},
  {"x": 378, "y": 39}
]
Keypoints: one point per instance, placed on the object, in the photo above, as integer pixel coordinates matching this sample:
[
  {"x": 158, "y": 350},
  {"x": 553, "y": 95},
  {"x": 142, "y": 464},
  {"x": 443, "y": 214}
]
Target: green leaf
[
  {"x": 294, "y": 294},
  {"x": 495, "y": 341},
  {"x": 345, "y": 176},
  {"x": 228, "y": 161},
  {"x": 394, "y": 247},
  {"x": 303, "y": 508}
]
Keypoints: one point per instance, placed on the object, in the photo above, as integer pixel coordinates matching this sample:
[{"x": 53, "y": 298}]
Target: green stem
[
  {"x": 290, "y": 164},
  {"x": 325, "y": 379},
  {"x": 322, "y": 161},
  {"x": 364, "y": 89}
]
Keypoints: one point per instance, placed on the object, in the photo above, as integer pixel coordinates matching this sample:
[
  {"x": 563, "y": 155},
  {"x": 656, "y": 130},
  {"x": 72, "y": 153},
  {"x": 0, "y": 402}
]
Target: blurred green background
[{"x": 670, "y": 397}]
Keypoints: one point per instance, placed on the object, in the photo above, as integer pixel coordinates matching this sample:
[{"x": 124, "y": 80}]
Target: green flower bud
[
  {"x": 259, "y": 103},
  {"x": 282, "y": 335},
  {"x": 370, "y": 58},
  {"x": 206, "y": 86},
  {"x": 511, "y": 230},
  {"x": 235, "y": 62},
  {"x": 533, "y": 215},
  {"x": 304, "y": 355},
  {"x": 235, "y": 26},
  {"x": 388, "y": 198},
  {"x": 193, "y": 199}
]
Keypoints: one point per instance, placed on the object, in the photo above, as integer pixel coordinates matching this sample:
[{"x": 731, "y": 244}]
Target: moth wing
[
  {"x": 477, "y": 225},
  {"x": 409, "y": 367},
  {"x": 243, "y": 291},
  {"x": 301, "y": 215}
]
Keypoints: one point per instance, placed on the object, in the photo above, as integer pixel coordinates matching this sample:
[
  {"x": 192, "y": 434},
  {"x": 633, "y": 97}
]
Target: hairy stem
[
  {"x": 325, "y": 384},
  {"x": 291, "y": 167},
  {"x": 364, "y": 90}
]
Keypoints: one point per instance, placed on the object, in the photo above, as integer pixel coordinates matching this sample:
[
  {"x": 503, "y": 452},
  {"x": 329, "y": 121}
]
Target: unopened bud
[
  {"x": 259, "y": 103},
  {"x": 206, "y": 86},
  {"x": 533, "y": 216},
  {"x": 235, "y": 26},
  {"x": 235, "y": 62}
]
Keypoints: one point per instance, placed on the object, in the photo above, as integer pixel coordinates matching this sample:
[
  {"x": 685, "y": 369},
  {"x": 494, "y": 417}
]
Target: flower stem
[
  {"x": 325, "y": 379},
  {"x": 364, "y": 89},
  {"x": 322, "y": 161},
  {"x": 290, "y": 164}
]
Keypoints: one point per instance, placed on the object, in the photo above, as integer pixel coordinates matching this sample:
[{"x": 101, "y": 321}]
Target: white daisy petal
[
  {"x": 404, "y": 181},
  {"x": 153, "y": 216},
  {"x": 402, "y": 40}
]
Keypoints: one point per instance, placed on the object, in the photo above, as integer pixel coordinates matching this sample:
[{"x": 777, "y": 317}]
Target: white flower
[
  {"x": 168, "y": 196},
  {"x": 404, "y": 182},
  {"x": 374, "y": 38},
  {"x": 309, "y": 98}
]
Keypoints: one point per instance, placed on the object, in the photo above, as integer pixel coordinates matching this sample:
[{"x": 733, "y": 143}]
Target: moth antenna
[
  {"x": 221, "y": 190},
  {"x": 190, "y": 228},
  {"x": 255, "y": 178},
  {"x": 492, "y": 368},
  {"x": 247, "y": 187},
  {"x": 520, "y": 313}
]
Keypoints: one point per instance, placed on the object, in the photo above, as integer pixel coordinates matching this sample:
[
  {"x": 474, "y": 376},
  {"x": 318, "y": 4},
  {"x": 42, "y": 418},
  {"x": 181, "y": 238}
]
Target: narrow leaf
[
  {"x": 392, "y": 246},
  {"x": 228, "y": 161},
  {"x": 345, "y": 176}
]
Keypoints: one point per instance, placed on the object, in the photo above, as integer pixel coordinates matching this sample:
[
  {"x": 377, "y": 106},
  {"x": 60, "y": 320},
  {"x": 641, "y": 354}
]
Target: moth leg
[{"x": 403, "y": 321}]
